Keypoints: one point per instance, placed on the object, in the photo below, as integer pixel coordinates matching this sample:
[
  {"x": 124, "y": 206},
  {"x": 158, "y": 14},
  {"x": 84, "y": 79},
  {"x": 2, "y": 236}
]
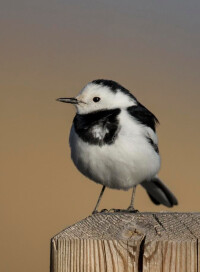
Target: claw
[
  {"x": 104, "y": 210},
  {"x": 114, "y": 210},
  {"x": 131, "y": 210},
  {"x": 95, "y": 212},
  {"x": 128, "y": 210}
]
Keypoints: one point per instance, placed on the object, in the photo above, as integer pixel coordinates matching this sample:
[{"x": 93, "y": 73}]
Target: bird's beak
[{"x": 71, "y": 100}]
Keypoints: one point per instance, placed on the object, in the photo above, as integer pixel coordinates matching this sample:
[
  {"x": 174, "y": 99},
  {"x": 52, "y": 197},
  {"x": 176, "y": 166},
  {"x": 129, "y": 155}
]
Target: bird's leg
[
  {"x": 131, "y": 207},
  {"x": 98, "y": 201}
]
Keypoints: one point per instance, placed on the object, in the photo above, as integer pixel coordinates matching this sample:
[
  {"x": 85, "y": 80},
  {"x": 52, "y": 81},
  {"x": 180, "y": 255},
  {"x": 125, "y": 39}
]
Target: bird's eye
[{"x": 96, "y": 99}]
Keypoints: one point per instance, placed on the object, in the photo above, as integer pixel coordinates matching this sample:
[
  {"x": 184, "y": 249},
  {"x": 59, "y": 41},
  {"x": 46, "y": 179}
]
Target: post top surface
[{"x": 133, "y": 226}]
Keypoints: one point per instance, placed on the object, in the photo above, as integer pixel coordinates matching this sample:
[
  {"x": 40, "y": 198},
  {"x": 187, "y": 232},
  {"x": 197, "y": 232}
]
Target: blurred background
[{"x": 51, "y": 49}]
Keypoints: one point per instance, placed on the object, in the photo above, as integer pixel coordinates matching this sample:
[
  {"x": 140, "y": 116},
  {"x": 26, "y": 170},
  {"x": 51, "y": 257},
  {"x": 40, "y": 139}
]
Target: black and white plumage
[{"x": 113, "y": 140}]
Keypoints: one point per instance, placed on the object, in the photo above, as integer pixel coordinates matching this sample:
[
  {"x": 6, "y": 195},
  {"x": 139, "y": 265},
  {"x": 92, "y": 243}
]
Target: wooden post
[{"x": 148, "y": 242}]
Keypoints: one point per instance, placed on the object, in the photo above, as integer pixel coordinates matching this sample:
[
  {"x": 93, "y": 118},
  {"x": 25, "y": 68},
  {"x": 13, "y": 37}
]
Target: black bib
[{"x": 97, "y": 128}]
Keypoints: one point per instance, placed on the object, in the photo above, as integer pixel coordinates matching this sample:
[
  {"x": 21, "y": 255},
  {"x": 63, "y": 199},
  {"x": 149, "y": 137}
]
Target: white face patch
[{"x": 108, "y": 99}]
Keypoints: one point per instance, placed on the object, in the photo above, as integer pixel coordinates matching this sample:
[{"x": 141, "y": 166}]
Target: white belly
[{"x": 121, "y": 165}]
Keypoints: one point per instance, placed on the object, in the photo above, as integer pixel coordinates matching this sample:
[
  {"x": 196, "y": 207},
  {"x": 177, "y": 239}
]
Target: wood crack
[
  {"x": 197, "y": 254},
  {"x": 141, "y": 254},
  {"x": 129, "y": 242}
]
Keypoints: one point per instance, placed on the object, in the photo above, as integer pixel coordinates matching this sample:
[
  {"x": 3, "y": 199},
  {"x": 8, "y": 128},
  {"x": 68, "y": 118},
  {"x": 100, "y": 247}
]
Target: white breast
[{"x": 123, "y": 164}]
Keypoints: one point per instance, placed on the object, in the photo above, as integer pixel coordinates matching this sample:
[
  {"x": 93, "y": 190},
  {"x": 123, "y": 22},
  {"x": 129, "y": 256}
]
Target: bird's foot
[
  {"x": 102, "y": 211},
  {"x": 114, "y": 210},
  {"x": 128, "y": 210},
  {"x": 131, "y": 210},
  {"x": 122, "y": 210},
  {"x": 95, "y": 212}
]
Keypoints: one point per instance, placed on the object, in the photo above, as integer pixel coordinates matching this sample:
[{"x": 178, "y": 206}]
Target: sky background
[{"x": 51, "y": 49}]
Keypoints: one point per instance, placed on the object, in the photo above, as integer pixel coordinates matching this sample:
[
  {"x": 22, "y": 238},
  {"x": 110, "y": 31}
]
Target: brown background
[{"x": 51, "y": 49}]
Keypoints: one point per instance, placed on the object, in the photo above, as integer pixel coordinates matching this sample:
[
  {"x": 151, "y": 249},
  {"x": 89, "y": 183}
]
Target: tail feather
[
  {"x": 159, "y": 193},
  {"x": 153, "y": 199}
]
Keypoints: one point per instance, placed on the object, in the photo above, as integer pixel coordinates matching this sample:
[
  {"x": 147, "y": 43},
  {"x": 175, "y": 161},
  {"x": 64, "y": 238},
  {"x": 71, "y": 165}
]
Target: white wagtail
[{"x": 113, "y": 141}]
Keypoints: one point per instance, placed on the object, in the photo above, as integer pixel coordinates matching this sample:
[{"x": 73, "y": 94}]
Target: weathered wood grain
[{"x": 123, "y": 242}]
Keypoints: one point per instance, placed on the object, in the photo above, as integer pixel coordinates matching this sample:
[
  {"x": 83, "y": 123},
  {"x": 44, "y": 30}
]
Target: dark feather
[
  {"x": 172, "y": 199},
  {"x": 143, "y": 115},
  {"x": 113, "y": 86},
  {"x": 159, "y": 193},
  {"x": 155, "y": 146},
  {"x": 105, "y": 119},
  {"x": 153, "y": 199}
]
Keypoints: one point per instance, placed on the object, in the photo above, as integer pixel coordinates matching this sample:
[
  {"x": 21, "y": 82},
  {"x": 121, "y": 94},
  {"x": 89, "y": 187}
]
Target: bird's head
[{"x": 99, "y": 95}]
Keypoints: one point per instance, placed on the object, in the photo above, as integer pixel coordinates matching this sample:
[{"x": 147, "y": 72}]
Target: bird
[{"x": 114, "y": 143}]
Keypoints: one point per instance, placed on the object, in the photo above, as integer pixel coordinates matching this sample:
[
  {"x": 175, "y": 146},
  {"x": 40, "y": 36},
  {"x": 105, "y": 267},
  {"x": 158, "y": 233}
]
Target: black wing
[{"x": 143, "y": 115}]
